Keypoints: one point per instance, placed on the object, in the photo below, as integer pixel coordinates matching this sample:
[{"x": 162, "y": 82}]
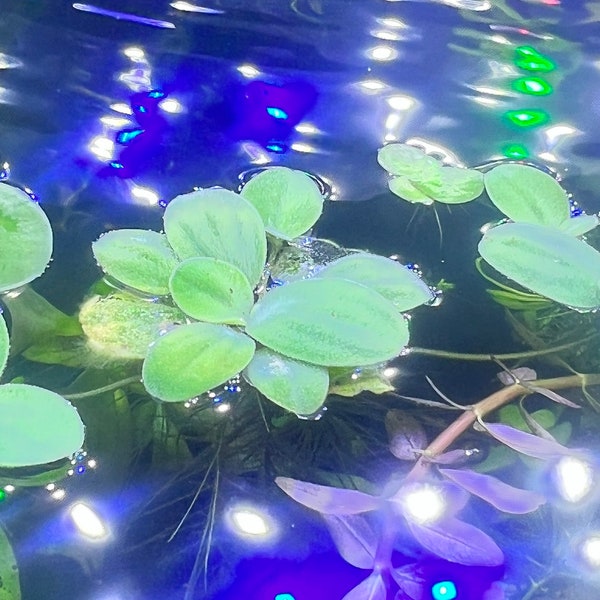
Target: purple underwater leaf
[
  {"x": 453, "y": 457},
  {"x": 372, "y": 588},
  {"x": 325, "y": 499},
  {"x": 411, "y": 582},
  {"x": 518, "y": 374},
  {"x": 553, "y": 396},
  {"x": 504, "y": 497},
  {"x": 526, "y": 443},
  {"x": 458, "y": 542},
  {"x": 354, "y": 539},
  {"x": 406, "y": 435}
]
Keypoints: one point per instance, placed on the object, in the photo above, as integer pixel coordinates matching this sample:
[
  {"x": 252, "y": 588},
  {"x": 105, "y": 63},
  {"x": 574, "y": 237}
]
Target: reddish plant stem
[{"x": 486, "y": 406}]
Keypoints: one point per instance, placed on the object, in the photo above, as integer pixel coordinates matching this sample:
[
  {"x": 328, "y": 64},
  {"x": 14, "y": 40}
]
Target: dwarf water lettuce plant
[{"x": 217, "y": 312}]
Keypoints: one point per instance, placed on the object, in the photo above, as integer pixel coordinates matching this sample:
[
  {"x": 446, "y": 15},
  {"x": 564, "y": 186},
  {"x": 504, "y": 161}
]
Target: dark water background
[{"x": 446, "y": 79}]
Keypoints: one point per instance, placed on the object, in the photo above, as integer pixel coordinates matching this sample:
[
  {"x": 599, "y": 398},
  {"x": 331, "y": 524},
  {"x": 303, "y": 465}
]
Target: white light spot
[
  {"x": 145, "y": 195},
  {"x": 134, "y": 53},
  {"x": 307, "y": 129},
  {"x": 223, "y": 407},
  {"x": 393, "y": 22},
  {"x": 87, "y": 521},
  {"x": 574, "y": 478},
  {"x": 9, "y": 488},
  {"x": 116, "y": 122},
  {"x": 248, "y": 70},
  {"x": 122, "y": 108},
  {"x": 58, "y": 494},
  {"x": 300, "y": 147},
  {"x": 392, "y": 121},
  {"x": 385, "y": 34},
  {"x": 423, "y": 505},
  {"x": 189, "y": 7},
  {"x": 171, "y": 105},
  {"x": 382, "y": 53},
  {"x": 401, "y": 102},
  {"x": 250, "y": 522},
  {"x": 590, "y": 550},
  {"x": 102, "y": 147},
  {"x": 372, "y": 85}
]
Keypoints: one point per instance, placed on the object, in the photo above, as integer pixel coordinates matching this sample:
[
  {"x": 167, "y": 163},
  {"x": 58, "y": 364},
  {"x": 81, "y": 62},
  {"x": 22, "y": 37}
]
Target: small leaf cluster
[
  {"x": 37, "y": 426},
  {"x": 206, "y": 316}
]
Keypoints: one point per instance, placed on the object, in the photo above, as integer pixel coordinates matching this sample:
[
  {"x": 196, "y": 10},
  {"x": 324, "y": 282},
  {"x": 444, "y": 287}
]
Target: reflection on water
[{"x": 110, "y": 109}]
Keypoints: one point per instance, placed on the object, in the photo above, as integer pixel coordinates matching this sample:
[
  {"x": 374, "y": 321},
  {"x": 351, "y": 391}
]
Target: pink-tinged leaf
[
  {"x": 453, "y": 457},
  {"x": 458, "y": 542},
  {"x": 327, "y": 500},
  {"x": 518, "y": 374},
  {"x": 504, "y": 497},
  {"x": 354, "y": 539},
  {"x": 553, "y": 396},
  {"x": 406, "y": 435},
  {"x": 526, "y": 443},
  {"x": 411, "y": 582},
  {"x": 372, "y": 588}
]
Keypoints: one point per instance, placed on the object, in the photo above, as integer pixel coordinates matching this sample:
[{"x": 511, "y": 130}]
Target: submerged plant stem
[
  {"x": 489, "y": 404},
  {"x": 492, "y": 357},
  {"x": 105, "y": 388}
]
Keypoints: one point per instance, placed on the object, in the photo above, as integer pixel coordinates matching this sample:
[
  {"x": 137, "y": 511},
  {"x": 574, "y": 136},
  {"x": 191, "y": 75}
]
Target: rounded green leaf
[
  {"x": 294, "y": 385},
  {"x": 288, "y": 201},
  {"x": 37, "y": 426},
  {"x": 401, "y": 286},
  {"x": 402, "y": 186},
  {"x": 546, "y": 261},
  {"x": 580, "y": 225},
  {"x": 4, "y": 343},
  {"x": 219, "y": 224},
  {"x": 402, "y": 159},
  {"x": 524, "y": 193},
  {"x": 209, "y": 289},
  {"x": 123, "y": 326},
  {"x": 330, "y": 322},
  {"x": 139, "y": 258},
  {"x": 453, "y": 185},
  {"x": 25, "y": 238},
  {"x": 192, "y": 359}
]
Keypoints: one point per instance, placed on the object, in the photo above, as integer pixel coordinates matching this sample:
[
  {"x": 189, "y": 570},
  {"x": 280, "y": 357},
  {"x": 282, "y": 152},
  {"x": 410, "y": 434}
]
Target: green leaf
[
  {"x": 453, "y": 185},
  {"x": 138, "y": 258},
  {"x": 511, "y": 415},
  {"x": 402, "y": 159},
  {"x": 351, "y": 382},
  {"x": 220, "y": 224},
  {"x": 329, "y": 322},
  {"x": 545, "y": 261},
  {"x": 578, "y": 226},
  {"x": 37, "y": 426},
  {"x": 209, "y": 289},
  {"x": 34, "y": 319},
  {"x": 401, "y": 286},
  {"x": 527, "y": 194},
  {"x": 4, "y": 343},
  {"x": 60, "y": 350},
  {"x": 296, "y": 386},
  {"x": 288, "y": 201},
  {"x": 34, "y": 476},
  {"x": 9, "y": 571},
  {"x": 404, "y": 188},
  {"x": 122, "y": 326},
  {"x": 25, "y": 238},
  {"x": 192, "y": 359}
]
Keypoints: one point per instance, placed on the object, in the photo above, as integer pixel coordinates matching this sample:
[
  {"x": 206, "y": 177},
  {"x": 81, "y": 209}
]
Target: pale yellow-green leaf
[
  {"x": 191, "y": 359},
  {"x": 403, "y": 187},
  {"x": 288, "y": 201},
  {"x": 139, "y": 258},
  {"x": 294, "y": 385},
  {"x": 402, "y": 159},
  {"x": 4, "y": 343},
  {"x": 209, "y": 289}
]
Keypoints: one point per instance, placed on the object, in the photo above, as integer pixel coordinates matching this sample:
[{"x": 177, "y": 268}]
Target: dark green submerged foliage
[{"x": 232, "y": 296}]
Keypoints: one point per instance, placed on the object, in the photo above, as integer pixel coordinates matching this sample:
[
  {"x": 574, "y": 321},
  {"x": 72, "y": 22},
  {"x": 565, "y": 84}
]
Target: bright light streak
[
  {"x": 189, "y": 7},
  {"x": 556, "y": 131},
  {"x": 401, "y": 102},
  {"x": 102, "y": 147},
  {"x": 87, "y": 521},
  {"x": 171, "y": 105},
  {"x": 392, "y": 121},
  {"x": 393, "y": 22},
  {"x": 500, "y": 39},
  {"x": 122, "y": 108},
  {"x": 307, "y": 129},
  {"x": 115, "y": 121},
  {"x": 574, "y": 478},
  {"x": 372, "y": 85},
  {"x": 385, "y": 34},
  {"x": 300, "y": 147},
  {"x": 145, "y": 195},
  {"x": 248, "y": 70},
  {"x": 382, "y": 53}
]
